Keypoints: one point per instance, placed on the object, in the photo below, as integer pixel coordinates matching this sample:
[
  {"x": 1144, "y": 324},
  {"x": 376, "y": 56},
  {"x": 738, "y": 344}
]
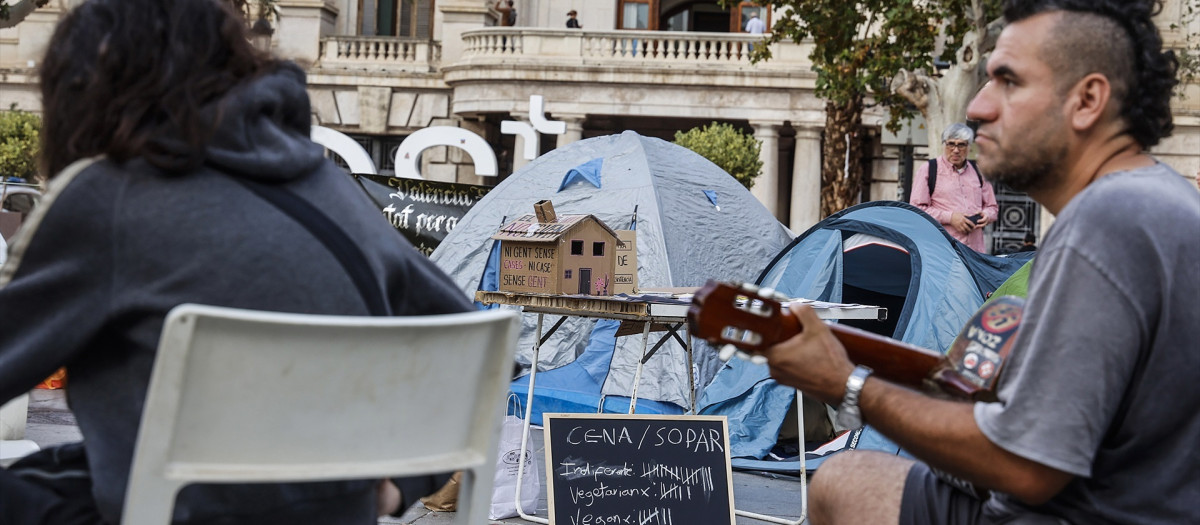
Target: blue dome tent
[
  {"x": 882, "y": 253},
  {"x": 694, "y": 222}
]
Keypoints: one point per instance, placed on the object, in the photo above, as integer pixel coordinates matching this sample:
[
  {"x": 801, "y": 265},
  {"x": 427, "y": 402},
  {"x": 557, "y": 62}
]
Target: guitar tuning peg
[
  {"x": 749, "y": 288},
  {"x": 727, "y": 352},
  {"x": 767, "y": 292},
  {"x": 758, "y": 359}
]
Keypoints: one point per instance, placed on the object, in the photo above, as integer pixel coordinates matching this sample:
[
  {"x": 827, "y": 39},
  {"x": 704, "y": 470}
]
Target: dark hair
[
  {"x": 1030, "y": 238},
  {"x": 1141, "y": 73},
  {"x": 121, "y": 74}
]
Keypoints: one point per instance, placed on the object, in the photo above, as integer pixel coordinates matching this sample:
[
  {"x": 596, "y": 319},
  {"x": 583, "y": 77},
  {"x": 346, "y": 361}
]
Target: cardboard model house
[{"x": 568, "y": 254}]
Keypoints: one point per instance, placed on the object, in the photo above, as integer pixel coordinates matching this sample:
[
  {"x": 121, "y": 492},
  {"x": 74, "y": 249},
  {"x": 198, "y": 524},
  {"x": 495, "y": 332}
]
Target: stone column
[
  {"x": 456, "y": 17},
  {"x": 574, "y": 128},
  {"x": 518, "y": 152},
  {"x": 806, "y": 179},
  {"x": 1045, "y": 220},
  {"x": 300, "y": 26},
  {"x": 766, "y": 185}
]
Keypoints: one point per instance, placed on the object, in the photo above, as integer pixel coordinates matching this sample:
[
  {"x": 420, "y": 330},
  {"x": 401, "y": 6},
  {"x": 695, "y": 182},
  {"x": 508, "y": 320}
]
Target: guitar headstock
[{"x": 743, "y": 315}]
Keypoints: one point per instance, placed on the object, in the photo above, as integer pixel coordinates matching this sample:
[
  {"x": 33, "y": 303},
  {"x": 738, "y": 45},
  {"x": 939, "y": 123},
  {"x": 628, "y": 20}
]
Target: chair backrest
[{"x": 246, "y": 396}]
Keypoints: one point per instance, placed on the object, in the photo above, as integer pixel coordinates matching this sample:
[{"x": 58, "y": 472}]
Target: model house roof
[{"x": 528, "y": 229}]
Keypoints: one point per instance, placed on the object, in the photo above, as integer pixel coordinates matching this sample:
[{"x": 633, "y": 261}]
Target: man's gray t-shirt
[{"x": 1103, "y": 381}]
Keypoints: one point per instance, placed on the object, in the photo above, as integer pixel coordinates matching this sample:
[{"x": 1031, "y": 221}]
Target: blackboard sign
[
  {"x": 424, "y": 211},
  {"x": 606, "y": 469}
]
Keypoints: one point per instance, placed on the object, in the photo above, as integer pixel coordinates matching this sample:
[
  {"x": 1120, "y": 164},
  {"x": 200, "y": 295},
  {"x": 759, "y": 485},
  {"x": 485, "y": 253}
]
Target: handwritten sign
[
  {"x": 643, "y": 469},
  {"x": 528, "y": 267},
  {"x": 424, "y": 211},
  {"x": 625, "y": 278}
]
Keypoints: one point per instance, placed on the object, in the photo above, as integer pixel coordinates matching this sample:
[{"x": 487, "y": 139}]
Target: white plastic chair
[{"x": 245, "y": 396}]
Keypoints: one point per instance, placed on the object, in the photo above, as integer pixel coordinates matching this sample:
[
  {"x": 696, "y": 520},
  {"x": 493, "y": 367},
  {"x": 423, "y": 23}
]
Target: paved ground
[{"x": 50, "y": 423}]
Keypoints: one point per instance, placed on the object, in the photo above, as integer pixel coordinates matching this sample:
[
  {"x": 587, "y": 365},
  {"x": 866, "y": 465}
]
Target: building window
[
  {"x": 637, "y": 14},
  {"x": 597, "y": 249},
  {"x": 743, "y": 13},
  {"x": 381, "y": 149},
  {"x": 567, "y": 274},
  {"x": 400, "y": 18},
  {"x": 576, "y": 247}
]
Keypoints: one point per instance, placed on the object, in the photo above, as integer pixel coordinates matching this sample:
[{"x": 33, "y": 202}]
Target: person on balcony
[
  {"x": 572, "y": 22},
  {"x": 755, "y": 25},
  {"x": 508, "y": 12}
]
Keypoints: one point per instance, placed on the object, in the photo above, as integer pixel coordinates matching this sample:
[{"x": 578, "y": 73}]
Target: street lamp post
[{"x": 260, "y": 34}]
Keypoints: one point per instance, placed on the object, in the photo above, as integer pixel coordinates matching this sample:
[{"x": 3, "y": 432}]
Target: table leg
[
  {"x": 637, "y": 376},
  {"x": 690, "y": 371},
  {"x": 525, "y": 430}
]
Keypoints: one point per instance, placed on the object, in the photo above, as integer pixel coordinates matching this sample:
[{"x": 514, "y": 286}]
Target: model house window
[
  {"x": 567, "y": 274},
  {"x": 597, "y": 249},
  {"x": 576, "y": 247}
]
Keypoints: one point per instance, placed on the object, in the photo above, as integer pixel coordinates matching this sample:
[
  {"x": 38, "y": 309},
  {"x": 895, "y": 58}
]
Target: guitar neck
[{"x": 893, "y": 360}]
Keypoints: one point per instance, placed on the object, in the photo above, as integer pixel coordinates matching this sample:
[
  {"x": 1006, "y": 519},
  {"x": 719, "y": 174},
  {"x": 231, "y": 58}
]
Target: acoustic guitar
[{"x": 752, "y": 319}]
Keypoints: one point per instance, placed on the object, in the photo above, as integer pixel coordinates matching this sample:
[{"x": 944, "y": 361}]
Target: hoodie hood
[{"x": 263, "y": 129}]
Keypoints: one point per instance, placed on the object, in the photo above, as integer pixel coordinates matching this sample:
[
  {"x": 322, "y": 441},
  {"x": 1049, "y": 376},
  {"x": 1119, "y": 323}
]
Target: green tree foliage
[
  {"x": 731, "y": 149},
  {"x": 18, "y": 143},
  {"x": 858, "y": 47}
]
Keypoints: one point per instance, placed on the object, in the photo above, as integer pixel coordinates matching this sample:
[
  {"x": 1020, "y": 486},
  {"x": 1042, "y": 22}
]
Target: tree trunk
[
  {"x": 841, "y": 171},
  {"x": 17, "y": 12},
  {"x": 944, "y": 100}
]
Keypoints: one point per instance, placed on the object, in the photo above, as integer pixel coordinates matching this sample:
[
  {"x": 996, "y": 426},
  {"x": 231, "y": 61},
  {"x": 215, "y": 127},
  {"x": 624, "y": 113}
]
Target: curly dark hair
[
  {"x": 1141, "y": 73},
  {"x": 120, "y": 74}
]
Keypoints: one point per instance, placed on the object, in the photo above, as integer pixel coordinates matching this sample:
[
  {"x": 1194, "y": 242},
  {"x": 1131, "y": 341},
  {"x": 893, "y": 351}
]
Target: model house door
[{"x": 585, "y": 281}]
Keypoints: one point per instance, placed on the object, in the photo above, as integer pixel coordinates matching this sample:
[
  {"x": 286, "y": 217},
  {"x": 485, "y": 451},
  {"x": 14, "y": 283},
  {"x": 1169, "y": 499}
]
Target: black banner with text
[{"x": 424, "y": 211}]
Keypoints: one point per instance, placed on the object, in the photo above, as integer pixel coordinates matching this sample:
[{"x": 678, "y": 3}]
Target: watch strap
[{"x": 849, "y": 415}]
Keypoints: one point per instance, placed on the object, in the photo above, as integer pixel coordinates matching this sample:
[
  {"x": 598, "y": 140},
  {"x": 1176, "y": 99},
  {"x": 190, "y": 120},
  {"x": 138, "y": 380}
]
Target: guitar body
[{"x": 743, "y": 316}]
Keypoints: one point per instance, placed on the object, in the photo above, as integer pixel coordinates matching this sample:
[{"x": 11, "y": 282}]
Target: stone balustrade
[
  {"x": 379, "y": 53},
  {"x": 655, "y": 49}
]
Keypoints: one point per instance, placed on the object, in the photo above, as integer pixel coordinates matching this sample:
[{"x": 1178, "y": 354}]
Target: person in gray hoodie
[{"x": 165, "y": 136}]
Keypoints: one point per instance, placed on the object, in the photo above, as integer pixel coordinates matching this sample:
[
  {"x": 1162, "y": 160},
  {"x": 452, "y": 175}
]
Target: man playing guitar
[{"x": 1096, "y": 418}]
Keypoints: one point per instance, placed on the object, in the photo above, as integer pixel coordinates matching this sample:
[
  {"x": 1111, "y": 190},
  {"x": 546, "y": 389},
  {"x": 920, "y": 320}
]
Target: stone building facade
[{"x": 381, "y": 69}]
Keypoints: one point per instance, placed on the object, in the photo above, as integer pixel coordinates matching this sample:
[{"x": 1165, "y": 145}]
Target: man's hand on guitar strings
[{"x": 813, "y": 361}]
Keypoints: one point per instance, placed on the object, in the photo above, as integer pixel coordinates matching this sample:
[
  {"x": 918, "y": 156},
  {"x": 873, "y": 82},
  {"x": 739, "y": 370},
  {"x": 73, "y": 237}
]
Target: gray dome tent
[{"x": 694, "y": 222}]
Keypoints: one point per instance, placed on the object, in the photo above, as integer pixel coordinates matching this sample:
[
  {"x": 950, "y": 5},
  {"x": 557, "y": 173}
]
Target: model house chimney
[{"x": 545, "y": 211}]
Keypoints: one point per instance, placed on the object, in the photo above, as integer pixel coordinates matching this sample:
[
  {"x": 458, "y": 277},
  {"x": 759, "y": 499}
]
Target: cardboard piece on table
[{"x": 625, "y": 280}]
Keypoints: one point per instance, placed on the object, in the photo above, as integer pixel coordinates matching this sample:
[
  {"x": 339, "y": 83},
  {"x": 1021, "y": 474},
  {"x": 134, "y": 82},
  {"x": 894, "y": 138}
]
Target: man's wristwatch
[{"x": 848, "y": 414}]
